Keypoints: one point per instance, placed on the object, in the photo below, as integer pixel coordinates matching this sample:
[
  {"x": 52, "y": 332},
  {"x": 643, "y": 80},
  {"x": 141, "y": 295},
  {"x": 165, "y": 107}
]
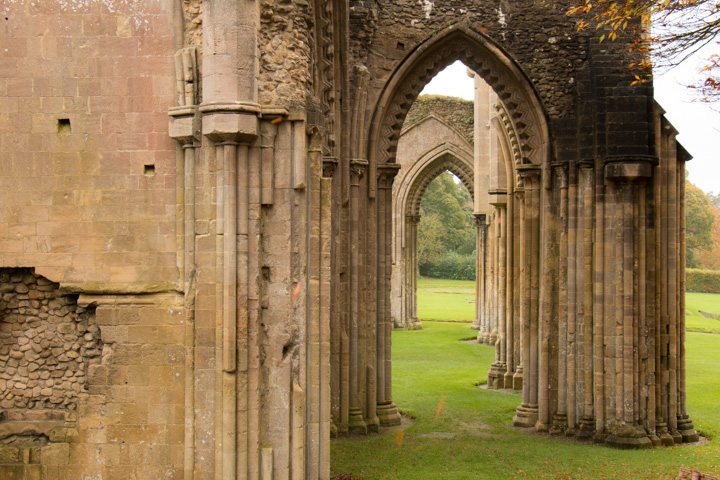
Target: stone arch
[
  {"x": 408, "y": 195},
  {"x": 444, "y": 157},
  {"x": 489, "y": 61},
  {"x": 514, "y": 264}
]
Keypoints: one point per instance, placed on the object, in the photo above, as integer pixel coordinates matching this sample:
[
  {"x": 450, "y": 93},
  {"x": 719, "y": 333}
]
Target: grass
[
  {"x": 464, "y": 432},
  {"x": 446, "y": 300},
  {"x": 706, "y": 302}
]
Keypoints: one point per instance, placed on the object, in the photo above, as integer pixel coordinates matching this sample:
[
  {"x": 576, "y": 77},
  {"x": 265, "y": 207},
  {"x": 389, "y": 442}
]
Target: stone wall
[
  {"x": 87, "y": 184},
  {"x": 285, "y": 55},
  {"x": 457, "y": 112},
  {"x": 47, "y": 343}
]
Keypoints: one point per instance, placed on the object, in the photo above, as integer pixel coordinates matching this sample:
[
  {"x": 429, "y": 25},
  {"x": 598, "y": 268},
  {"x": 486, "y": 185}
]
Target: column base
[
  {"x": 340, "y": 428},
  {"x": 587, "y": 428},
  {"x": 387, "y": 414},
  {"x": 417, "y": 325},
  {"x": 475, "y": 325},
  {"x": 496, "y": 375},
  {"x": 508, "y": 380},
  {"x": 492, "y": 339},
  {"x": 356, "y": 425},
  {"x": 677, "y": 438},
  {"x": 333, "y": 430},
  {"x": 627, "y": 437},
  {"x": 662, "y": 432},
  {"x": 687, "y": 430},
  {"x": 373, "y": 425},
  {"x": 655, "y": 440},
  {"x": 526, "y": 416},
  {"x": 559, "y": 424},
  {"x": 518, "y": 379}
]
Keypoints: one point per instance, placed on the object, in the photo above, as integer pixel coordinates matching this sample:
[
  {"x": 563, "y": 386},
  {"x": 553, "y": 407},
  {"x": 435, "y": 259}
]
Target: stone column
[
  {"x": 510, "y": 279},
  {"x": 626, "y": 179},
  {"x": 356, "y": 423},
  {"x": 560, "y": 419},
  {"x": 585, "y": 237},
  {"x": 527, "y": 413},
  {"x": 480, "y": 261},
  {"x": 518, "y": 308},
  {"x": 185, "y": 128},
  {"x": 411, "y": 321},
  {"x": 386, "y": 410},
  {"x": 496, "y": 374}
]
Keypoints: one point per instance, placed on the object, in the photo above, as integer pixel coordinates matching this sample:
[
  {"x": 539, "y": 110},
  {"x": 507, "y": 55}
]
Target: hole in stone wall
[
  {"x": 266, "y": 273},
  {"x": 400, "y": 45},
  {"x": 63, "y": 125},
  {"x": 149, "y": 170}
]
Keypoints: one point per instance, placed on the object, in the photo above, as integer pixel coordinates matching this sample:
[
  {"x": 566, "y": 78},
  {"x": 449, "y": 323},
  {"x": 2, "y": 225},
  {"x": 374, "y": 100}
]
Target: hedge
[
  {"x": 705, "y": 281},
  {"x": 452, "y": 266}
]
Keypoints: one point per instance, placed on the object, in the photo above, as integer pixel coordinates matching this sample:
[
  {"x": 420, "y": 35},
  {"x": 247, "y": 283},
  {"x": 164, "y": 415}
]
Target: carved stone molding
[{"x": 460, "y": 46}]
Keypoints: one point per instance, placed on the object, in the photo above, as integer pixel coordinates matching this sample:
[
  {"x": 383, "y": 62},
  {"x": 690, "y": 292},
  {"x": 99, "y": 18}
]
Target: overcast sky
[{"x": 697, "y": 122}]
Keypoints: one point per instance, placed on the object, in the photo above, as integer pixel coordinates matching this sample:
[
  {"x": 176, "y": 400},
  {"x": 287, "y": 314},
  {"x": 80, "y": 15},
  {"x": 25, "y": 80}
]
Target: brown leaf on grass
[
  {"x": 399, "y": 437},
  {"x": 440, "y": 406}
]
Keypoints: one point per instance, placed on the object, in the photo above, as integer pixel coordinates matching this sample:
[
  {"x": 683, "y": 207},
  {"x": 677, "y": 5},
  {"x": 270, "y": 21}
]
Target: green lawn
[
  {"x": 446, "y": 300},
  {"x": 472, "y": 437},
  {"x": 706, "y": 302}
]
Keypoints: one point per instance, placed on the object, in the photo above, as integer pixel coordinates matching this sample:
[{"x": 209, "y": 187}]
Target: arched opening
[{"x": 522, "y": 134}]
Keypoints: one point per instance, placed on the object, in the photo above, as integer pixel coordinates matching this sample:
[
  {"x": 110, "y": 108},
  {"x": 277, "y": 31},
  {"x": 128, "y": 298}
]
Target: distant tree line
[
  {"x": 446, "y": 232},
  {"x": 702, "y": 228}
]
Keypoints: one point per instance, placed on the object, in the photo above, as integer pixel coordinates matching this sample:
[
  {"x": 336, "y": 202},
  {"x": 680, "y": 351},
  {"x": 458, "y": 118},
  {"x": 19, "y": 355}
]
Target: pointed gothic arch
[{"x": 526, "y": 139}]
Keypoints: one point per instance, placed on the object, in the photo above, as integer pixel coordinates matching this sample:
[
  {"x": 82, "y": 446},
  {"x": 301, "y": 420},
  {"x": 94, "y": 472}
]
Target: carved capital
[
  {"x": 185, "y": 124},
  {"x": 386, "y": 173},
  {"x": 480, "y": 219},
  {"x": 358, "y": 168},
  {"x": 413, "y": 219},
  {"x": 561, "y": 174},
  {"x": 528, "y": 176},
  {"x": 329, "y": 166}
]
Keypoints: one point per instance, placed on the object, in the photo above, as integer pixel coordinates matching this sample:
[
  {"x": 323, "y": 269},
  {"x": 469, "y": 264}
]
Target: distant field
[
  {"x": 446, "y": 300},
  {"x": 453, "y": 301}
]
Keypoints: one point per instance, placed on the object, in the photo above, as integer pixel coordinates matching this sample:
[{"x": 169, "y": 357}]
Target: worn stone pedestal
[
  {"x": 496, "y": 375},
  {"x": 526, "y": 416},
  {"x": 687, "y": 430},
  {"x": 356, "y": 424},
  {"x": 388, "y": 414},
  {"x": 628, "y": 437}
]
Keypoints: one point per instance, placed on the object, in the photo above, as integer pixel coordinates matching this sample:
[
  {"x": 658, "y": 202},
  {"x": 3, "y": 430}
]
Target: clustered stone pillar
[
  {"x": 361, "y": 354},
  {"x": 589, "y": 266},
  {"x": 257, "y": 238}
]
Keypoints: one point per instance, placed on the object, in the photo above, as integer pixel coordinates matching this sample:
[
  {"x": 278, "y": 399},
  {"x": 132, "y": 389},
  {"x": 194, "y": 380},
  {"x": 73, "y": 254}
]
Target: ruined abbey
[{"x": 207, "y": 227}]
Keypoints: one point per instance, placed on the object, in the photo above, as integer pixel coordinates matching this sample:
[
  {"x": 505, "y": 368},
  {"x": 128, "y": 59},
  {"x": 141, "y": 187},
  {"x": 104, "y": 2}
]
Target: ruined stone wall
[
  {"x": 87, "y": 182},
  {"x": 539, "y": 35},
  {"x": 285, "y": 52},
  {"x": 47, "y": 343},
  {"x": 457, "y": 112}
]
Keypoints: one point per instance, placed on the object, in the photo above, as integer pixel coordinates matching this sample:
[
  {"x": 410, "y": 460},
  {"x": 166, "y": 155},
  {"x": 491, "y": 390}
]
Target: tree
[
  {"x": 699, "y": 218},
  {"x": 429, "y": 238},
  {"x": 709, "y": 259},
  {"x": 679, "y": 29},
  {"x": 451, "y": 203}
]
